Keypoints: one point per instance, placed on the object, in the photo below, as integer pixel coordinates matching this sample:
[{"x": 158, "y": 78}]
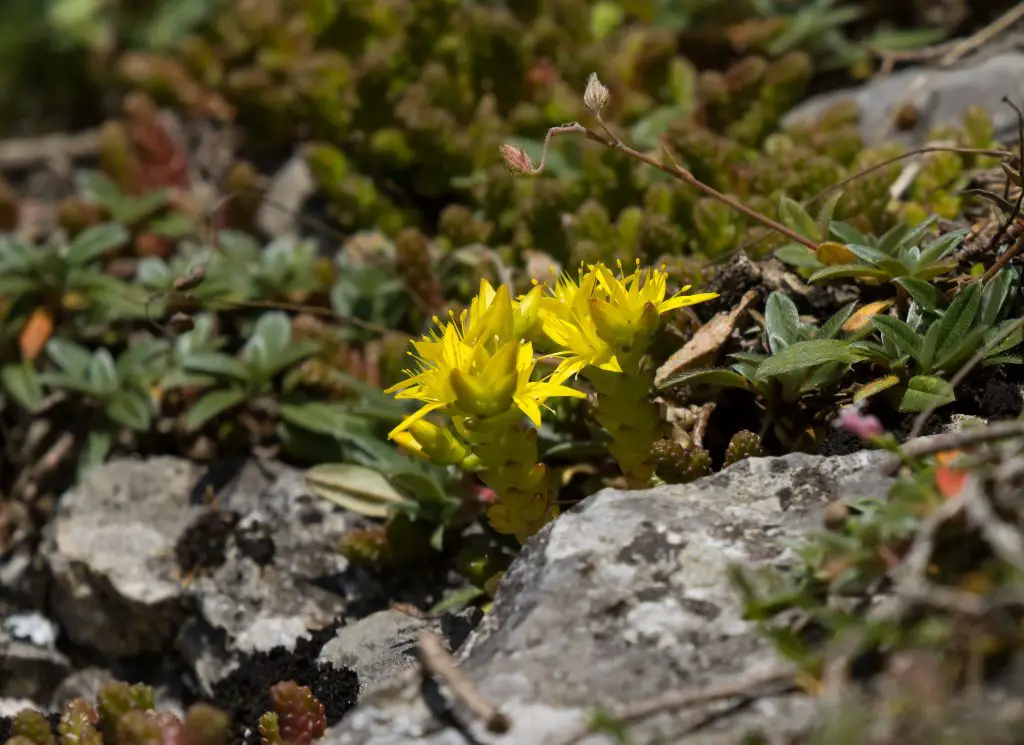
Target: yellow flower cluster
[{"x": 478, "y": 369}]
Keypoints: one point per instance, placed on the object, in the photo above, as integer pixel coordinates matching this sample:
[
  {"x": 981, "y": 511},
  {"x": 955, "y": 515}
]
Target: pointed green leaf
[
  {"x": 22, "y": 384},
  {"x": 892, "y": 266},
  {"x": 834, "y": 324},
  {"x": 994, "y": 296},
  {"x": 798, "y": 255},
  {"x": 925, "y": 294},
  {"x": 957, "y": 321},
  {"x": 940, "y": 248},
  {"x": 132, "y": 409},
  {"x": 824, "y": 216},
  {"x": 211, "y": 405},
  {"x": 95, "y": 241},
  {"x": 717, "y": 378},
  {"x": 846, "y": 271},
  {"x": 215, "y": 363},
  {"x": 794, "y": 216},
  {"x": 98, "y": 444},
  {"x": 806, "y": 354},
  {"x": 275, "y": 330},
  {"x": 782, "y": 322},
  {"x": 102, "y": 372},
  {"x": 924, "y": 391},
  {"x": 72, "y": 358},
  {"x": 900, "y": 334},
  {"x": 334, "y": 420},
  {"x": 847, "y": 233}
]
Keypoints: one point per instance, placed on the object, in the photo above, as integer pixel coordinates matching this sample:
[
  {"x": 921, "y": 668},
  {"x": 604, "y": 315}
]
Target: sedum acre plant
[
  {"x": 604, "y": 326},
  {"x": 478, "y": 372}
]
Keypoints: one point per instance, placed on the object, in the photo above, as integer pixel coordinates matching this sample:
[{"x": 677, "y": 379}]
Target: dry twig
[{"x": 437, "y": 661}]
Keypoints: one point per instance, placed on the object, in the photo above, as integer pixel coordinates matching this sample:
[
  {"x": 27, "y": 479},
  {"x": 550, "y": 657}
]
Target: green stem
[
  {"x": 625, "y": 410},
  {"x": 507, "y": 451}
]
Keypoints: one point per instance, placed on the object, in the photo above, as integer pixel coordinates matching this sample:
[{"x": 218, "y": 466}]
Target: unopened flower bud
[
  {"x": 517, "y": 160},
  {"x": 596, "y": 95}
]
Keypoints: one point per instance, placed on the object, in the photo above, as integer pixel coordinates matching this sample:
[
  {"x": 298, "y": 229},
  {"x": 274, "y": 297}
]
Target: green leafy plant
[
  {"x": 118, "y": 390},
  {"x": 803, "y": 359},
  {"x": 267, "y": 354},
  {"x": 937, "y": 338},
  {"x": 899, "y": 253},
  {"x": 64, "y": 278}
]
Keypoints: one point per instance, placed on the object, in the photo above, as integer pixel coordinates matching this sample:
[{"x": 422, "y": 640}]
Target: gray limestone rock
[
  {"x": 117, "y": 585},
  {"x": 31, "y": 667},
  {"x": 385, "y": 643},
  {"x": 625, "y": 597},
  {"x": 941, "y": 97}
]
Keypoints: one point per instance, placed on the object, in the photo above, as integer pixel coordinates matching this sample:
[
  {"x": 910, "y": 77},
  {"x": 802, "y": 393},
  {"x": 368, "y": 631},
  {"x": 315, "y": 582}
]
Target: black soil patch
[
  {"x": 245, "y": 693},
  {"x": 203, "y": 545}
]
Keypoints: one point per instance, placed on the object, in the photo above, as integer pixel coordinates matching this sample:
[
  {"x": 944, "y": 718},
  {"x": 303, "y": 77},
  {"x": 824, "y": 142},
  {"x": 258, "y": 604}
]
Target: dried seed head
[
  {"x": 182, "y": 323},
  {"x": 516, "y": 160},
  {"x": 596, "y": 95}
]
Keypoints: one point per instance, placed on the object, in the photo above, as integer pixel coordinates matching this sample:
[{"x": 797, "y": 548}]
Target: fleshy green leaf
[
  {"x": 212, "y": 404},
  {"x": 893, "y": 267},
  {"x": 940, "y": 248},
  {"x": 98, "y": 444},
  {"x": 805, "y": 354}
]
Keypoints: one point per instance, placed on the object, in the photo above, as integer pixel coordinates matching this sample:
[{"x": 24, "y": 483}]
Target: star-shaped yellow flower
[
  {"x": 604, "y": 316},
  {"x": 478, "y": 366}
]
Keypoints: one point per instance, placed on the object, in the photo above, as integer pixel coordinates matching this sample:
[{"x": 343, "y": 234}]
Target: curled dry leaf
[
  {"x": 863, "y": 315},
  {"x": 36, "y": 332},
  {"x": 703, "y": 347},
  {"x": 831, "y": 252}
]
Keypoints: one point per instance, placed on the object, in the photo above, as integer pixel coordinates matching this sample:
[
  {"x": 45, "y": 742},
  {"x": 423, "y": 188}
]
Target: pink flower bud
[
  {"x": 864, "y": 426},
  {"x": 517, "y": 160}
]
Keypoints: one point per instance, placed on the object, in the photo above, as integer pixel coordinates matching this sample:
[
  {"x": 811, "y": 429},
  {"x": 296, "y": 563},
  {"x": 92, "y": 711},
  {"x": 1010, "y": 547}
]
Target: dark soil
[{"x": 245, "y": 693}]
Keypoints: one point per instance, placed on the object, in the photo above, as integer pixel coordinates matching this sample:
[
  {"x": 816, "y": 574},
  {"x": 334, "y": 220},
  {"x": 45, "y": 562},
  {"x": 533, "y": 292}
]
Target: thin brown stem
[
  {"x": 674, "y": 170},
  {"x": 438, "y": 661}
]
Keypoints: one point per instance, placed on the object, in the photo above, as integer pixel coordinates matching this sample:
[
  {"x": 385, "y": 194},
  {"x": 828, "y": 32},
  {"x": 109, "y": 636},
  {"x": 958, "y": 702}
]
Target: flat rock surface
[
  {"x": 940, "y": 96},
  {"x": 623, "y": 598}
]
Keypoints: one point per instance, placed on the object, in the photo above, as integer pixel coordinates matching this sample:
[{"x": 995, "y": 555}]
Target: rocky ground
[{"x": 214, "y": 583}]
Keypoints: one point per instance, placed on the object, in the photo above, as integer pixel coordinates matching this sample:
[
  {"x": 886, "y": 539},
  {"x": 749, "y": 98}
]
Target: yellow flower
[
  {"x": 604, "y": 316},
  {"x": 477, "y": 367}
]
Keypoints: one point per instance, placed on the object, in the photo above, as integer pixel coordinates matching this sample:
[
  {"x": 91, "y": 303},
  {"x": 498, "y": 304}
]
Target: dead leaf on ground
[
  {"x": 36, "y": 333},
  {"x": 706, "y": 341},
  {"x": 830, "y": 253},
  {"x": 863, "y": 316}
]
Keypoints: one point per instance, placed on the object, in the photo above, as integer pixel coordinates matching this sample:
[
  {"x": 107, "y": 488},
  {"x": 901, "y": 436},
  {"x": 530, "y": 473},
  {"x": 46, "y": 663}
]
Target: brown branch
[{"x": 437, "y": 661}]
